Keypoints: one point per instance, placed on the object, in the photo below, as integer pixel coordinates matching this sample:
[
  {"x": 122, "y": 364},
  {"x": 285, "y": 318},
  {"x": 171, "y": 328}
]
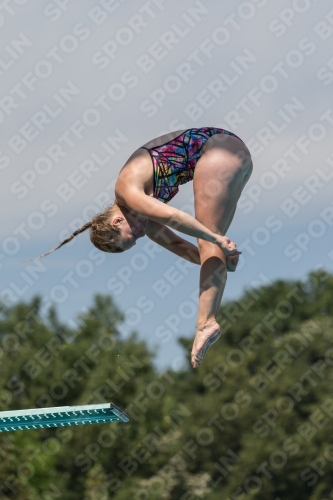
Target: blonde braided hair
[{"x": 103, "y": 234}]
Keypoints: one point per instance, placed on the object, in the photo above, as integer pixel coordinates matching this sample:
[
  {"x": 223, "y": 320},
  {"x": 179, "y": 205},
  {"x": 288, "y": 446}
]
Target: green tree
[{"x": 254, "y": 421}]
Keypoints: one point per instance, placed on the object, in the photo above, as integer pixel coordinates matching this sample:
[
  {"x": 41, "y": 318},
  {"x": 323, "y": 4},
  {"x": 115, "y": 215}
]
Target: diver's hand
[
  {"x": 232, "y": 261},
  {"x": 227, "y": 246}
]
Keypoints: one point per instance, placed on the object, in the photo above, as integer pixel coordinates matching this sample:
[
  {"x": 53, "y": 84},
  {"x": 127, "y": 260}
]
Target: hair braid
[
  {"x": 67, "y": 240},
  {"x": 103, "y": 234}
]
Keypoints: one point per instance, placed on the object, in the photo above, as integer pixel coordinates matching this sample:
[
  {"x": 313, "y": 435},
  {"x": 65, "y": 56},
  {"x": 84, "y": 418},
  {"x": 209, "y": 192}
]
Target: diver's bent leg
[{"x": 218, "y": 182}]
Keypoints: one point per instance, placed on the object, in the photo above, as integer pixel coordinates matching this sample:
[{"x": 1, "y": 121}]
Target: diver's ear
[{"x": 117, "y": 220}]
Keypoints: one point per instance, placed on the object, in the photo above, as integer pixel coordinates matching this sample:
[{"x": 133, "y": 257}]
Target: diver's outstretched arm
[
  {"x": 138, "y": 202},
  {"x": 163, "y": 236}
]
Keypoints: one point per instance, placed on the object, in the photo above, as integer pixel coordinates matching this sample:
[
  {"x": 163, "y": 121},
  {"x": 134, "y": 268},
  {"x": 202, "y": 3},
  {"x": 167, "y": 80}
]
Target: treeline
[{"x": 254, "y": 421}]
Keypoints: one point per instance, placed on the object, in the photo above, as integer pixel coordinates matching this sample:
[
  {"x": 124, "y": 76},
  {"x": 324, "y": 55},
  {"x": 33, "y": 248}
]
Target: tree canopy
[{"x": 252, "y": 422}]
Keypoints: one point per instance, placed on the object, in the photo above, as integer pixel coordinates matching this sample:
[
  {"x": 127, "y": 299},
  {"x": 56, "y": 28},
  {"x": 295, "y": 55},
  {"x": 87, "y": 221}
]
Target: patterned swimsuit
[{"x": 174, "y": 162}]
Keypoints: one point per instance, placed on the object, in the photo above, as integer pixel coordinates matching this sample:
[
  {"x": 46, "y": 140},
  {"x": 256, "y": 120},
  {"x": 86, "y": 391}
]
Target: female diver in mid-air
[{"x": 220, "y": 165}]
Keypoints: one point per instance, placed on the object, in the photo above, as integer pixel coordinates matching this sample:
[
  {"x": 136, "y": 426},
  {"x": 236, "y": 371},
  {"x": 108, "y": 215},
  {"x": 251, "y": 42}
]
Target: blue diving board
[{"x": 60, "y": 416}]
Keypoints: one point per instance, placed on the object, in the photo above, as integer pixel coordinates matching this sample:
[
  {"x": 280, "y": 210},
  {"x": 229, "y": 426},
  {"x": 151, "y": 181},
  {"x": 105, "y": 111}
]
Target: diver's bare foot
[{"x": 204, "y": 338}]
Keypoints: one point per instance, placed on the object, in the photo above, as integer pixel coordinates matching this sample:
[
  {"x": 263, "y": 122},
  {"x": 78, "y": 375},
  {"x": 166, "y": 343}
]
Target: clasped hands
[{"x": 229, "y": 249}]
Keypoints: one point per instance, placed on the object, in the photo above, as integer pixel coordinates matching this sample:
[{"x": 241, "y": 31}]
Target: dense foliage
[{"x": 254, "y": 421}]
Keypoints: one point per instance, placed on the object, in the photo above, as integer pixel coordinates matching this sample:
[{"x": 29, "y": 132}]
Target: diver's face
[{"x": 132, "y": 227}]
